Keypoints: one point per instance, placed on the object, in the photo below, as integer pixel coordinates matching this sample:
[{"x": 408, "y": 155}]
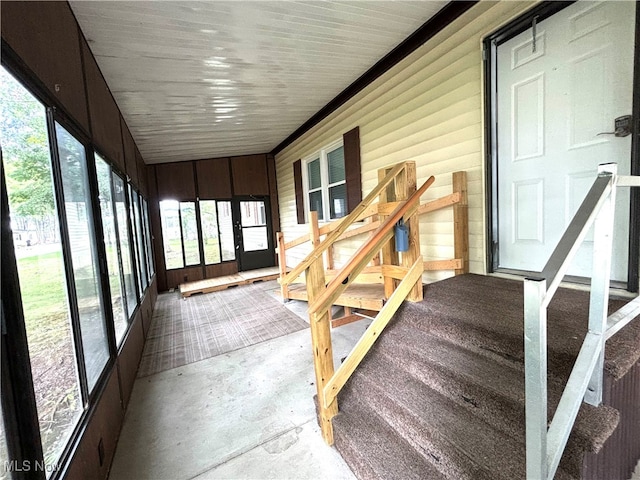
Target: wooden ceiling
[{"x": 220, "y": 78}]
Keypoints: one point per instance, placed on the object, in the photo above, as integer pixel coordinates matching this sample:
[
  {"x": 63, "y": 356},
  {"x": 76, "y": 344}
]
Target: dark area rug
[{"x": 203, "y": 326}]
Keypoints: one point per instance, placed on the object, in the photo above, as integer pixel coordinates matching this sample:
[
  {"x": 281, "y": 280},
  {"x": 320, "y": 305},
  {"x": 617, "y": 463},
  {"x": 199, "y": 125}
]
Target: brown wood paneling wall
[
  {"x": 45, "y": 36},
  {"x": 104, "y": 113},
  {"x": 129, "y": 358},
  {"x": 250, "y": 175},
  {"x": 130, "y": 160},
  {"x": 214, "y": 178},
  {"x": 143, "y": 183},
  {"x": 175, "y": 181},
  {"x": 221, "y": 269},
  {"x": 156, "y": 232},
  {"x": 273, "y": 196},
  {"x": 104, "y": 426},
  {"x": 182, "y": 275}
]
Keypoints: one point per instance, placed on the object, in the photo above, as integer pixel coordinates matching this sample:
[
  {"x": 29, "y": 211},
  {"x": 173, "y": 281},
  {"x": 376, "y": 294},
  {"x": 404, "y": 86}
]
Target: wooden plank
[
  {"x": 369, "y": 227},
  {"x": 387, "y": 207},
  {"x": 360, "y": 296},
  {"x": 337, "y": 381},
  {"x": 221, "y": 283},
  {"x": 452, "y": 264},
  {"x": 388, "y": 252},
  {"x": 368, "y": 212},
  {"x": 320, "y": 325},
  {"x": 347, "y": 221},
  {"x": 461, "y": 222},
  {"x": 366, "y": 252},
  {"x": 282, "y": 265},
  {"x": 409, "y": 185},
  {"x": 439, "y": 203},
  {"x": 347, "y": 319},
  {"x": 394, "y": 271}
]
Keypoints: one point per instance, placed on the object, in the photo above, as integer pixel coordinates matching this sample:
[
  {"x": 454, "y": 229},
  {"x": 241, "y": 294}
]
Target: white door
[{"x": 553, "y": 100}]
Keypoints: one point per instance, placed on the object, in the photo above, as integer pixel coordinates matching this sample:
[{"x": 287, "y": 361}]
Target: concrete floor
[{"x": 244, "y": 414}]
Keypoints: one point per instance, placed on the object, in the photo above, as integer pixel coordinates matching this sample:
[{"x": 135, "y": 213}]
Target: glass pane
[
  {"x": 315, "y": 203},
  {"x": 142, "y": 262},
  {"x": 335, "y": 159},
  {"x": 253, "y": 214},
  {"x": 147, "y": 236},
  {"x": 190, "y": 233},
  {"x": 338, "y": 200},
  {"x": 254, "y": 238},
  {"x": 86, "y": 276},
  {"x": 4, "y": 454},
  {"x": 209, "y": 219},
  {"x": 171, "y": 238},
  {"x": 225, "y": 223},
  {"x": 315, "y": 180},
  {"x": 103, "y": 172},
  {"x": 133, "y": 200},
  {"x": 36, "y": 235},
  {"x": 125, "y": 244}
]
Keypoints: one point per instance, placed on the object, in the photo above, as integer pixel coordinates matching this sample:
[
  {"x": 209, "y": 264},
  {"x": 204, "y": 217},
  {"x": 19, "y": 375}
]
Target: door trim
[{"x": 490, "y": 48}]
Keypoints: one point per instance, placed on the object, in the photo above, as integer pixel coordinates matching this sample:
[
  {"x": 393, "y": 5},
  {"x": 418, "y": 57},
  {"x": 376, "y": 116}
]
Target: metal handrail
[{"x": 544, "y": 447}]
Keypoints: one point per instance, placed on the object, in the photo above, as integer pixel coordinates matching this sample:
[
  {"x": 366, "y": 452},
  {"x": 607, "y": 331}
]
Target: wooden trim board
[{"x": 221, "y": 283}]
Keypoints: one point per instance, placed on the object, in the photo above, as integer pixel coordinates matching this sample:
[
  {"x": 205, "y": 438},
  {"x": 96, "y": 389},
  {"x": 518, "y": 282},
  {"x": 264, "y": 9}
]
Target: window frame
[{"x": 322, "y": 155}]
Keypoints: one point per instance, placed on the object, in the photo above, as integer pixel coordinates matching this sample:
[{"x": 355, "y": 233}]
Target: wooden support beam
[
  {"x": 320, "y": 325},
  {"x": 439, "y": 203},
  {"x": 344, "y": 224},
  {"x": 407, "y": 186},
  {"x": 388, "y": 251},
  {"x": 461, "y": 222},
  {"x": 452, "y": 264},
  {"x": 366, "y": 252},
  {"x": 372, "y": 333},
  {"x": 282, "y": 265},
  {"x": 347, "y": 319}
]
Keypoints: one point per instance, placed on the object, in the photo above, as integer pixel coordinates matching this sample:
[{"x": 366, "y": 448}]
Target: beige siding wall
[{"x": 429, "y": 109}]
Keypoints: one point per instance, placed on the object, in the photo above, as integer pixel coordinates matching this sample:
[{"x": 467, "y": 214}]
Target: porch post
[
  {"x": 461, "y": 222},
  {"x": 320, "y": 325}
]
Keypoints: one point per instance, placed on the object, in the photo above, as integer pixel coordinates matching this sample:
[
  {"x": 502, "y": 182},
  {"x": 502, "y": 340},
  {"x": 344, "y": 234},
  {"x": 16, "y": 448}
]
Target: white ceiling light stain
[{"x": 210, "y": 79}]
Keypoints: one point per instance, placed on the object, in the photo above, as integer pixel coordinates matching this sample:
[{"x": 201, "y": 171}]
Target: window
[
  {"x": 179, "y": 234},
  {"x": 114, "y": 261},
  {"x": 84, "y": 258},
  {"x": 124, "y": 239},
  {"x": 147, "y": 236},
  {"x": 141, "y": 255},
  {"x": 325, "y": 183},
  {"x": 217, "y": 231},
  {"x": 41, "y": 270}
]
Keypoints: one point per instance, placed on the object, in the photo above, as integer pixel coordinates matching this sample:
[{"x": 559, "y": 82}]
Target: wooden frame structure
[{"x": 375, "y": 266}]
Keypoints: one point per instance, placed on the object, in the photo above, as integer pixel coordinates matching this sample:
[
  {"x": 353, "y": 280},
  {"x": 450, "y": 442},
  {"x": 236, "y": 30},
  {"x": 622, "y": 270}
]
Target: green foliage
[{"x": 25, "y": 149}]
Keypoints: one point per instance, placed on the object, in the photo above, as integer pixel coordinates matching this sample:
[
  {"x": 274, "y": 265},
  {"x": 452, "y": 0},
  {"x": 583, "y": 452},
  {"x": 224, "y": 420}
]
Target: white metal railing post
[
  {"x": 535, "y": 370},
  {"x": 600, "y": 278}
]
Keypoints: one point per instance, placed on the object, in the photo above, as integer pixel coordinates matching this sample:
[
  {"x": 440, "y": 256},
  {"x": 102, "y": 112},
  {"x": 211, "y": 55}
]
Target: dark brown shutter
[
  {"x": 351, "y": 142},
  {"x": 297, "y": 181}
]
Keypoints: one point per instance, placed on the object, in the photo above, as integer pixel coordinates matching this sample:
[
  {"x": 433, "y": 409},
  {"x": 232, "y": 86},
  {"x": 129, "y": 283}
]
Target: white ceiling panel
[{"x": 209, "y": 79}]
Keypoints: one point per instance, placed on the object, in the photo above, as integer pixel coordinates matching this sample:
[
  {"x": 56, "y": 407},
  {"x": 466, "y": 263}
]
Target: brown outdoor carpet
[
  {"x": 203, "y": 326},
  {"x": 441, "y": 393}
]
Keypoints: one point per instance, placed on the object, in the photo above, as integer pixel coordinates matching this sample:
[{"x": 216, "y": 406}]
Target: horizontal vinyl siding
[{"x": 428, "y": 109}]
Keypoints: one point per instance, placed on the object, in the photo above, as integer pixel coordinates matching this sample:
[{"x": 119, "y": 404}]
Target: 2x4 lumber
[
  {"x": 461, "y": 222},
  {"x": 346, "y": 222},
  {"x": 407, "y": 185},
  {"x": 320, "y": 325},
  {"x": 389, "y": 254},
  {"x": 363, "y": 346},
  {"x": 366, "y": 252},
  {"x": 439, "y": 203},
  {"x": 282, "y": 265},
  {"x": 434, "y": 265},
  {"x": 347, "y": 319}
]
